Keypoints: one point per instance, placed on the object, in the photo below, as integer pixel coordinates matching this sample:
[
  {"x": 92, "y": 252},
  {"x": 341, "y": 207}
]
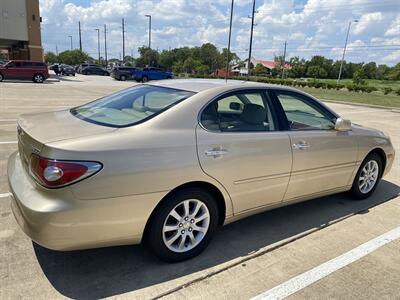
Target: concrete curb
[{"x": 391, "y": 108}]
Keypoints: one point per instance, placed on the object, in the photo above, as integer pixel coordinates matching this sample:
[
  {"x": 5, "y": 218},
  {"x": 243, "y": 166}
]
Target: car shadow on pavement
[
  {"x": 47, "y": 81},
  {"x": 98, "y": 273}
]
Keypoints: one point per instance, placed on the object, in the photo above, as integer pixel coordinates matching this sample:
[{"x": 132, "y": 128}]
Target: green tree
[
  {"x": 190, "y": 65},
  {"x": 73, "y": 57},
  {"x": 148, "y": 57},
  {"x": 260, "y": 70},
  {"x": 298, "y": 67},
  {"x": 394, "y": 73},
  {"x": 50, "y": 57},
  {"x": 359, "y": 76},
  {"x": 370, "y": 70},
  {"x": 382, "y": 72},
  {"x": 203, "y": 70},
  {"x": 316, "y": 72}
]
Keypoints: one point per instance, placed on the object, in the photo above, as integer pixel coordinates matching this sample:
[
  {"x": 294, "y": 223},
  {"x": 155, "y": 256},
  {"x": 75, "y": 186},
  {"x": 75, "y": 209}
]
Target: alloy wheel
[
  {"x": 186, "y": 225},
  {"x": 368, "y": 176}
]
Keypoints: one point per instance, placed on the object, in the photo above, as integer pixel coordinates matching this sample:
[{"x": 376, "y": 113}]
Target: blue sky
[{"x": 310, "y": 27}]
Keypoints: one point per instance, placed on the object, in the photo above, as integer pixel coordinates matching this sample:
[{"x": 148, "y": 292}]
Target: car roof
[{"x": 198, "y": 85}]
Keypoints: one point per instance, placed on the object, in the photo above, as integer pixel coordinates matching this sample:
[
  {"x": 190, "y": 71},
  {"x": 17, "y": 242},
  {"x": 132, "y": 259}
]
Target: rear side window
[
  {"x": 131, "y": 106},
  {"x": 39, "y": 64},
  {"x": 27, "y": 64},
  {"x": 239, "y": 112}
]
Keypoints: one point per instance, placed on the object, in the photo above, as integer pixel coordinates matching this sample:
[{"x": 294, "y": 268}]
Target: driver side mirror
[{"x": 342, "y": 124}]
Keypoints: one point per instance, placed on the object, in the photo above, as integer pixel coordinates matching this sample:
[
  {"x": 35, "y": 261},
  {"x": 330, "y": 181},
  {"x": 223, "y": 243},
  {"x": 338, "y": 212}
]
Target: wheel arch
[
  {"x": 382, "y": 155},
  {"x": 209, "y": 187}
]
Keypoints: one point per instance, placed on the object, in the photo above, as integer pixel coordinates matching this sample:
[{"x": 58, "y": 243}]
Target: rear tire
[
  {"x": 122, "y": 78},
  {"x": 368, "y": 176},
  {"x": 38, "y": 78},
  {"x": 1, "y": 77},
  {"x": 182, "y": 227},
  {"x": 145, "y": 79}
]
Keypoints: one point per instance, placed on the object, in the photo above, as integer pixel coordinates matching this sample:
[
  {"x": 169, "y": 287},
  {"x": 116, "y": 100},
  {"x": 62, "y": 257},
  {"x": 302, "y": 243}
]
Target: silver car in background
[{"x": 167, "y": 162}]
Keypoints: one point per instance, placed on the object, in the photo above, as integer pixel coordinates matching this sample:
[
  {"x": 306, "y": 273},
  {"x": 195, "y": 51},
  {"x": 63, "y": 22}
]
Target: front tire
[
  {"x": 122, "y": 78},
  {"x": 183, "y": 225},
  {"x": 368, "y": 176},
  {"x": 1, "y": 77},
  {"x": 145, "y": 79}
]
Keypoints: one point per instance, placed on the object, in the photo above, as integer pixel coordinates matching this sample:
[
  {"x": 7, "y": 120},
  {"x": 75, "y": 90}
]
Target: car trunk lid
[{"x": 36, "y": 130}]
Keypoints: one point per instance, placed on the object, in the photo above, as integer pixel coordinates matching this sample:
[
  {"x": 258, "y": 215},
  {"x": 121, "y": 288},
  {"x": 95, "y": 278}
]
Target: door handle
[
  {"x": 216, "y": 152},
  {"x": 301, "y": 145}
]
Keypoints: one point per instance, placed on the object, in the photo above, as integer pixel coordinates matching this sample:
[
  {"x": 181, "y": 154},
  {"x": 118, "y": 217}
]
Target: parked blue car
[{"x": 151, "y": 73}]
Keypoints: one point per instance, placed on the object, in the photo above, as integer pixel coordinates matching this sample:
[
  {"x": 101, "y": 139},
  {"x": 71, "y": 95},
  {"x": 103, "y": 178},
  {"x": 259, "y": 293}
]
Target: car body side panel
[
  {"x": 255, "y": 169},
  {"x": 136, "y": 161},
  {"x": 369, "y": 139},
  {"x": 327, "y": 164}
]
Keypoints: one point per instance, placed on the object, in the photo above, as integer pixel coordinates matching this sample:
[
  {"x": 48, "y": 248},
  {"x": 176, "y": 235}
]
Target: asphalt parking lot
[{"x": 261, "y": 254}]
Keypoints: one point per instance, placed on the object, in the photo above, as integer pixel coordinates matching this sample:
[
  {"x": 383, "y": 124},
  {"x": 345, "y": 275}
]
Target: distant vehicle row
[
  {"x": 38, "y": 71},
  {"x": 130, "y": 73}
]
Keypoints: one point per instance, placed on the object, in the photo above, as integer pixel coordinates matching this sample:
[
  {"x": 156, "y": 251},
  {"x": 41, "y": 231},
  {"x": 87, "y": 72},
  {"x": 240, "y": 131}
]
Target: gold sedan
[{"x": 167, "y": 162}]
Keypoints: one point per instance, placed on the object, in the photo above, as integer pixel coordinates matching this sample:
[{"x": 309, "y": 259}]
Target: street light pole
[
  {"x": 98, "y": 42},
  {"x": 149, "y": 16},
  {"x": 105, "y": 44},
  {"x": 70, "y": 36},
  {"x": 229, "y": 44},
  {"x": 344, "y": 50},
  {"x": 251, "y": 39}
]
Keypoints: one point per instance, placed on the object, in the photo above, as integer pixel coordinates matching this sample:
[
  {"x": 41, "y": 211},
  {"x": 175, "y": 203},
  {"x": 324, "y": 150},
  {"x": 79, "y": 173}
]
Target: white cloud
[
  {"x": 393, "y": 57},
  {"x": 366, "y": 21},
  {"x": 394, "y": 29}
]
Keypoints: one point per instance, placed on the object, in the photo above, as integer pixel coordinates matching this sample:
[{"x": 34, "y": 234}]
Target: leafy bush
[
  {"x": 387, "y": 90},
  {"x": 398, "y": 91}
]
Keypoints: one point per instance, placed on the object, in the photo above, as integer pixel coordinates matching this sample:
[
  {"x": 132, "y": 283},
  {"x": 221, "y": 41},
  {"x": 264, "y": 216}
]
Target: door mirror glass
[{"x": 342, "y": 124}]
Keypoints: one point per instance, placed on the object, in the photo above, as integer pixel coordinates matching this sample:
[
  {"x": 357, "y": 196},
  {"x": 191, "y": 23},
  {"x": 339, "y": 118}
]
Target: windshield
[{"x": 130, "y": 106}]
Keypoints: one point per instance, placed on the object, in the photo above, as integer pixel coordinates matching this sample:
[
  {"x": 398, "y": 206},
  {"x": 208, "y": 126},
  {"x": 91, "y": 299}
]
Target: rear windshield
[{"x": 130, "y": 106}]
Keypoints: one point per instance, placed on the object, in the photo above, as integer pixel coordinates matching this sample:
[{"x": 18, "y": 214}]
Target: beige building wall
[
  {"x": 20, "y": 29},
  {"x": 34, "y": 34}
]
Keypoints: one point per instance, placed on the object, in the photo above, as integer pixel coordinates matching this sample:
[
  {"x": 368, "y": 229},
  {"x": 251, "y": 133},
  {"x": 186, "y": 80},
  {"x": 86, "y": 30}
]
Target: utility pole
[
  {"x": 57, "y": 50},
  {"x": 149, "y": 16},
  {"x": 70, "y": 37},
  {"x": 80, "y": 36},
  {"x": 284, "y": 60},
  {"x": 105, "y": 44},
  {"x": 228, "y": 60},
  {"x": 98, "y": 42},
  {"x": 344, "y": 50},
  {"x": 123, "y": 40},
  {"x": 251, "y": 39}
]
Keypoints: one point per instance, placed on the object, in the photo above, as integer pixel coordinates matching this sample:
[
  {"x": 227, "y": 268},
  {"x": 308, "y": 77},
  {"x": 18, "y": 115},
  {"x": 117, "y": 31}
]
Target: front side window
[
  {"x": 303, "y": 114},
  {"x": 131, "y": 106},
  {"x": 14, "y": 64},
  {"x": 239, "y": 112}
]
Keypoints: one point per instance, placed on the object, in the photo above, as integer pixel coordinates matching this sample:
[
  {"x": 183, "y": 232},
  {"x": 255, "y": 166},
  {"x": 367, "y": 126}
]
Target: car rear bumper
[{"x": 57, "y": 220}]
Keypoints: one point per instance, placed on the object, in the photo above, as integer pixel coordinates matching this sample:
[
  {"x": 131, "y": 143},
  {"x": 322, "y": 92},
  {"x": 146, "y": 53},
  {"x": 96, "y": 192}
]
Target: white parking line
[
  {"x": 305, "y": 279},
  {"x": 9, "y": 142},
  {"x": 5, "y": 195}
]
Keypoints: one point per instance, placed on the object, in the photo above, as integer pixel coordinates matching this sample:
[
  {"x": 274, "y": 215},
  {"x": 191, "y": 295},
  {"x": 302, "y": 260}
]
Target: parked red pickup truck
[{"x": 24, "y": 70}]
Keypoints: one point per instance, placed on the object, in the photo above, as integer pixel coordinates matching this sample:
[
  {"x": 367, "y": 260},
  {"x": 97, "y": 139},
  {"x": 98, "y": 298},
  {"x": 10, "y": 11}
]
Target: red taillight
[{"x": 57, "y": 173}]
